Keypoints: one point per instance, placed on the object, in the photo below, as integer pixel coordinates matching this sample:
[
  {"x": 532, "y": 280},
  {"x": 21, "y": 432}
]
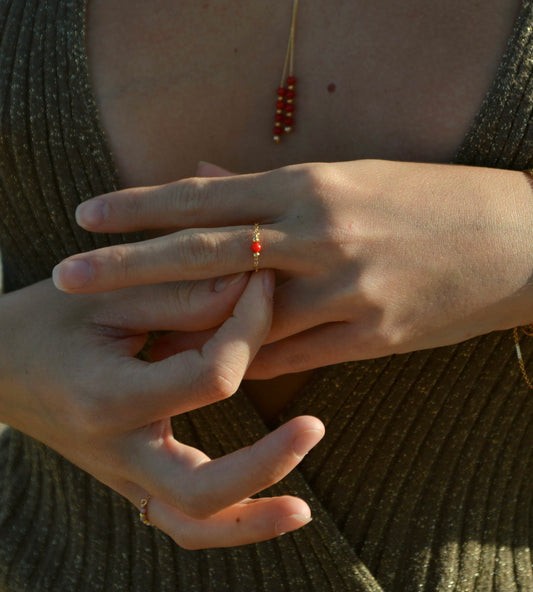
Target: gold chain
[{"x": 526, "y": 330}]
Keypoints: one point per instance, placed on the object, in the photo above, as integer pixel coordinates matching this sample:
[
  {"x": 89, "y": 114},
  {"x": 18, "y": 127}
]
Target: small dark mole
[
  {"x": 238, "y": 519},
  {"x": 332, "y": 87},
  {"x": 236, "y": 50}
]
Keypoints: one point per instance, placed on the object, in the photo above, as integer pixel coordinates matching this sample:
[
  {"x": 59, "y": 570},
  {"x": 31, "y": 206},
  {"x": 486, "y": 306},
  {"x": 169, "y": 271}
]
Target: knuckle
[
  {"x": 122, "y": 261},
  {"x": 223, "y": 380},
  {"x": 134, "y": 206},
  {"x": 322, "y": 235},
  {"x": 308, "y": 178},
  {"x": 218, "y": 382},
  {"x": 202, "y": 249},
  {"x": 190, "y": 197},
  {"x": 181, "y": 297}
]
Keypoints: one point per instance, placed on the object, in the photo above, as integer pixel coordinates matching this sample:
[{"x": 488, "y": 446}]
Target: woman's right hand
[{"x": 69, "y": 377}]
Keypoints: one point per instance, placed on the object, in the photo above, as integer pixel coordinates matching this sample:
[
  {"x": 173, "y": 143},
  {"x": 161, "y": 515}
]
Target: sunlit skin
[{"x": 372, "y": 243}]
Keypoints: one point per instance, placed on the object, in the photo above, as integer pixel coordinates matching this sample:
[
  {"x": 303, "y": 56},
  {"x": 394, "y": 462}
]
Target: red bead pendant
[
  {"x": 284, "y": 109},
  {"x": 256, "y": 247},
  {"x": 285, "y": 93}
]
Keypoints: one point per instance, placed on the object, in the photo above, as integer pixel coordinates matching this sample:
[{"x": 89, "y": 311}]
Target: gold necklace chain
[{"x": 284, "y": 119}]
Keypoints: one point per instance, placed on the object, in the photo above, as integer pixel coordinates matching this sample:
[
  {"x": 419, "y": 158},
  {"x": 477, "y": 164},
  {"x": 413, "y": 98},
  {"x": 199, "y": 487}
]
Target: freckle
[
  {"x": 236, "y": 50},
  {"x": 332, "y": 87},
  {"x": 238, "y": 519}
]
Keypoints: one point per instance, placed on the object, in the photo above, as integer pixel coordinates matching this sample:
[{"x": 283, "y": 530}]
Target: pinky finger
[{"x": 249, "y": 521}]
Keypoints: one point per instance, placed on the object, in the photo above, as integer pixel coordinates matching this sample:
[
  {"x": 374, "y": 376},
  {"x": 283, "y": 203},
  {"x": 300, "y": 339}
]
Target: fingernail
[
  {"x": 303, "y": 443},
  {"x": 269, "y": 283},
  {"x": 228, "y": 280},
  {"x": 291, "y": 523},
  {"x": 72, "y": 274},
  {"x": 202, "y": 166},
  {"x": 92, "y": 213}
]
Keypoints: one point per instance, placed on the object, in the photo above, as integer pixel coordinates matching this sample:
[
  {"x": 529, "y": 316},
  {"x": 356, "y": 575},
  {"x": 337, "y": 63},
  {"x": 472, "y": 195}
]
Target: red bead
[
  {"x": 288, "y": 121},
  {"x": 279, "y": 117},
  {"x": 256, "y": 247},
  {"x": 280, "y": 104},
  {"x": 281, "y": 91},
  {"x": 291, "y": 80},
  {"x": 289, "y": 108},
  {"x": 289, "y": 94},
  {"x": 278, "y": 130}
]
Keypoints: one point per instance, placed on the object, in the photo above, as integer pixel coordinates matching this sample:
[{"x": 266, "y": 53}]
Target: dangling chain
[{"x": 284, "y": 119}]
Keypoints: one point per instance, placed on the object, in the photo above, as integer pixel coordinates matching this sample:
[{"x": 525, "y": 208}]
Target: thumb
[{"x": 206, "y": 169}]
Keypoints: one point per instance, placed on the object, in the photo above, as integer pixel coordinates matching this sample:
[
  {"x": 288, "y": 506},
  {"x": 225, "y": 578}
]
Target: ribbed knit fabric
[{"x": 424, "y": 479}]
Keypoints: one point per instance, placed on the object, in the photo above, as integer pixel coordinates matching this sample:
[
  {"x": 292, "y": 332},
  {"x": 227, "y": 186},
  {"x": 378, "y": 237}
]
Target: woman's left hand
[{"x": 373, "y": 257}]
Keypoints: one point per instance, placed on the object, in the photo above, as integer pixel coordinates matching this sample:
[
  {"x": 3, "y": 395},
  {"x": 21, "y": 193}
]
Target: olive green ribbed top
[{"x": 424, "y": 478}]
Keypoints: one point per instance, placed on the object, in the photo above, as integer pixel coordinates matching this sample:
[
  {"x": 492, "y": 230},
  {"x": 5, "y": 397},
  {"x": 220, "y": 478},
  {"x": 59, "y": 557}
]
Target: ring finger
[{"x": 186, "y": 255}]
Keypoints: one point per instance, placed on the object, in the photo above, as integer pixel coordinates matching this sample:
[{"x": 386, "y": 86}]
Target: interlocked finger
[
  {"x": 302, "y": 303},
  {"x": 299, "y": 352},
  {"x": 183, "y": 306},
  {"x": 185, "y": 255},
  {"x": 195, "y": 378},
  {"x": 247, "y": 521},
  {"x": 188, "y": 203},
  {"x": 184, "y": 478}
]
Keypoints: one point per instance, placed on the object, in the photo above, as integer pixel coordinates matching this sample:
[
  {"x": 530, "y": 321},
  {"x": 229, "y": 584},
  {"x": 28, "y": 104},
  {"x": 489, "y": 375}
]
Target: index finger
[{"x": 194, "y": 202}]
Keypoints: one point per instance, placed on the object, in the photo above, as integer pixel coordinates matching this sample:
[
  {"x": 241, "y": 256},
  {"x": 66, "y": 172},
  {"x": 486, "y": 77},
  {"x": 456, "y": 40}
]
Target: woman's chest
[{"x": 182, "y": 81}]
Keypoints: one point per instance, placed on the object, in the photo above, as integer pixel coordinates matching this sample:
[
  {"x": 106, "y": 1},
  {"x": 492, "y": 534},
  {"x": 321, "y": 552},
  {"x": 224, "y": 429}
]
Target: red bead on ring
[{"x": 256, "y": 246}]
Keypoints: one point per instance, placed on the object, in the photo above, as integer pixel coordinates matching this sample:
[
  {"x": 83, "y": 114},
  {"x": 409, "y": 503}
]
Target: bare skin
[
  {"x": 178, "y": 82},
  {"x": 164, "y": 76},
  {"x": 181, "y": 81}
]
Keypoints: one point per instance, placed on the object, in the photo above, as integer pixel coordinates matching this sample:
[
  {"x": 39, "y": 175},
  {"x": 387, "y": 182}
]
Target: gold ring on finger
[{"x": 256, "y": 245}]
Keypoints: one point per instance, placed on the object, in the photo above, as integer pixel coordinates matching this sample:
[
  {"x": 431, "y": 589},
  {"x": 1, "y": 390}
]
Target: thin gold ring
[
  {"x": 143, "y": 512},
  {"x": 256, "y": 245}
]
